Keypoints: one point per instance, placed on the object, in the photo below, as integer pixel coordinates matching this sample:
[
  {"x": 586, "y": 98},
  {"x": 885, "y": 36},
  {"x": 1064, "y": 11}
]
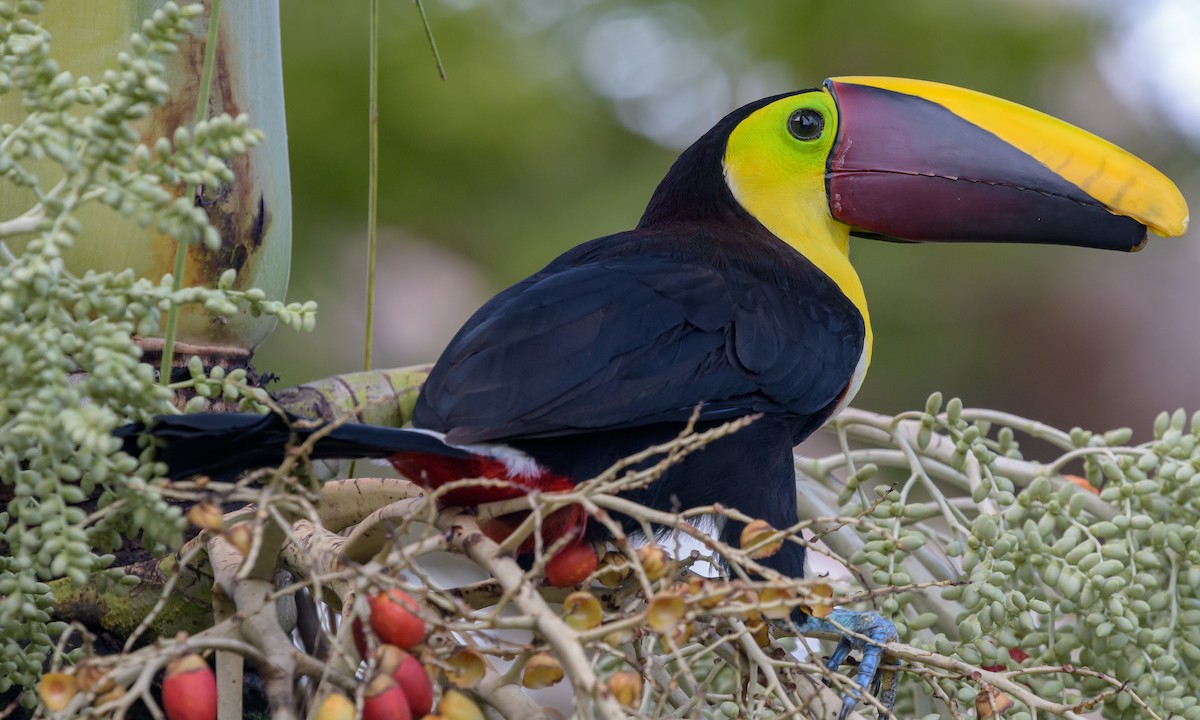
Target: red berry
[
  {"x": 572, "y": 565},
  {"x": 189, "y": 690},
  {"x": 384, "y": 700},
  {"x": 395, "y": 620},
  {"x": 408, "y": 673}
]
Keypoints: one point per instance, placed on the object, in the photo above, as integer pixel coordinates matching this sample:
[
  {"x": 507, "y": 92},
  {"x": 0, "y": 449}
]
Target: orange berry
[
  {"x": 582, "y": 611},
  {"x": 664, "y": 611},
  {"x": 655, "y": 561},
  {"x": 457, "y": 706},
  {"x": 614, "y": 569},
  {"x": 466, "y": 668},
  {"x": 240, "y": 536},
  {"x": 206, "y": 516},
  {"x": 56, "y": 690},
  {"x": 777, "y": 603},
  {"x": 626, "y": 687},
  {"x": 541, "y": 671},
  {"x": 756, "y": 538},
  {"x": 336, "y": 706}
]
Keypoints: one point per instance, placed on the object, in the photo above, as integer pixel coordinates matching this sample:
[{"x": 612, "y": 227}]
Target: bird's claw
[{"x": 868, "y": 633}]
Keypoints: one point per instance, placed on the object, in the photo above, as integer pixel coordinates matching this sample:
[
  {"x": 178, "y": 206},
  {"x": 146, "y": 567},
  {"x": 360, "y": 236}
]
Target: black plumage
[{"x": 612, "y": 346}]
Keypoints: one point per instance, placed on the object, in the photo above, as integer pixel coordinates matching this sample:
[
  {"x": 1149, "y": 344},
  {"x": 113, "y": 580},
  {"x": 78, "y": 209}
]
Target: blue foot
[{"x": 866, "y": 632}]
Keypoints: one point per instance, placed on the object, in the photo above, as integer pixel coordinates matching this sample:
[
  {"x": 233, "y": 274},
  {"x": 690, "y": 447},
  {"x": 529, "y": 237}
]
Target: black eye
[{"x": 806, "y": 124}]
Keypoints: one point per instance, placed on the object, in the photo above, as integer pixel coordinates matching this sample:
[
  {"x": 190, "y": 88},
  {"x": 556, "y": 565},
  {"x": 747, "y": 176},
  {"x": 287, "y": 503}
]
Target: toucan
[{"x": 733, "y": 296}]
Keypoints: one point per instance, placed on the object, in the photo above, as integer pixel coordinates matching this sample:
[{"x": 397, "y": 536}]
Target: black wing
[{"x": 606, "y": 337}]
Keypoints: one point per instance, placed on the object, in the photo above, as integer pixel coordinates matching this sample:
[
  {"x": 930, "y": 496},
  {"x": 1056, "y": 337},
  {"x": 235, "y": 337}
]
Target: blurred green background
[{"x": 558, "y": 117}]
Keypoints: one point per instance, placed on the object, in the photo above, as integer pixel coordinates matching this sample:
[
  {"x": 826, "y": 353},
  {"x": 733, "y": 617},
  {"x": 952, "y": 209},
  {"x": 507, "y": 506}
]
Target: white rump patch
[{"x": 516, "y": 463}]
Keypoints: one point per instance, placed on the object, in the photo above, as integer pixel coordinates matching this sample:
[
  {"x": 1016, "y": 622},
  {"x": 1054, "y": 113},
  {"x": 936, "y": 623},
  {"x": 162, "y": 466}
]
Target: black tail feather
[{"x": 222, "y": 445}]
